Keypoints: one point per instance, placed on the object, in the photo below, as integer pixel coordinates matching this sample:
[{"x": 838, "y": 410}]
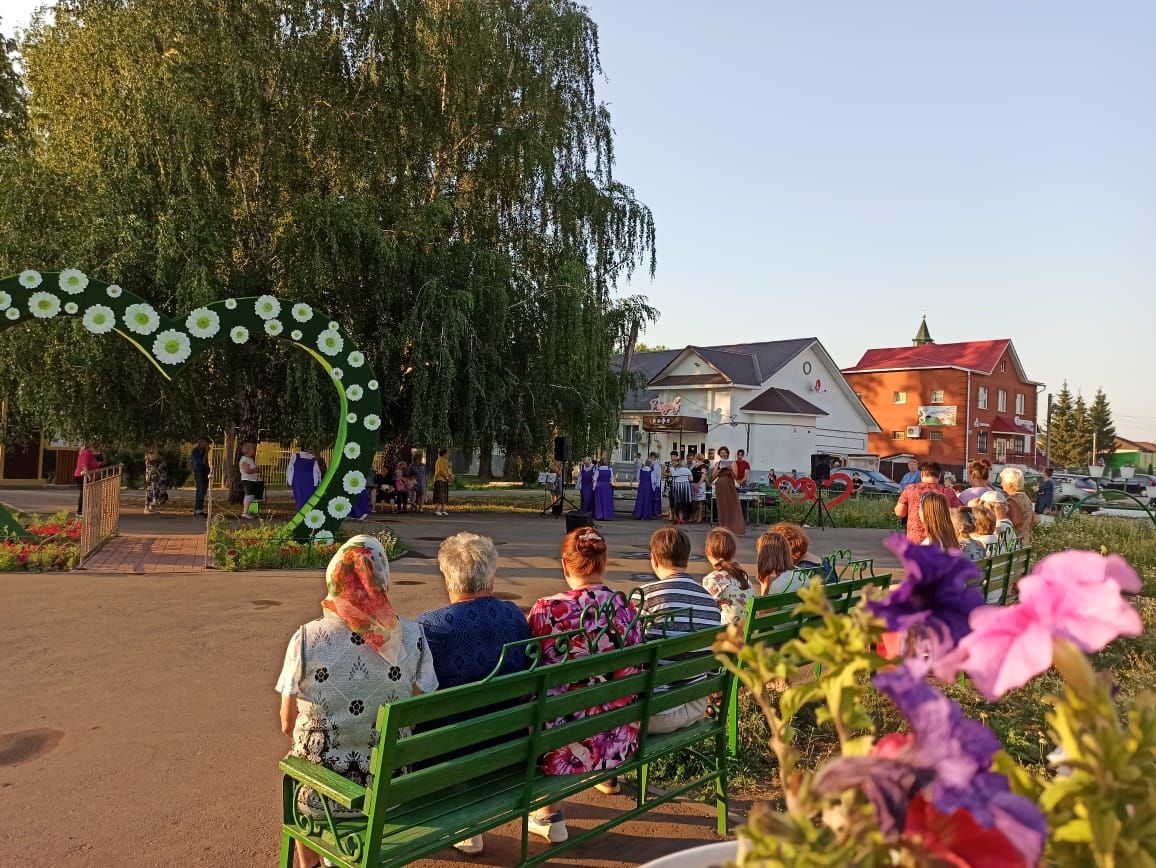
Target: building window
[
  {"x": 628, "y": 442},
  {"x": 1001, "y": 400},
  {"x": 899, "y": 398},
  {"x": 981, "y": 401},
  {"x": 1020, "y": 441},
  {"x": 934, "y": 435},
  {"x": 981, "y": 443},
  {"x": 937, "y": 396},
  {"x": 898, "y": 435},
  {"x": 1003, "y": 367},
  {"x": 1020, "y": 403}
]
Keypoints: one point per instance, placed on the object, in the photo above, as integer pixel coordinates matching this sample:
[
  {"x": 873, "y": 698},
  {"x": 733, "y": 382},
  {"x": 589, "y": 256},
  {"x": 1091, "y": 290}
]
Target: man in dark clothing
[
  {"x": 1045, "y": 496},
  {"x": 199, "y": 461}
]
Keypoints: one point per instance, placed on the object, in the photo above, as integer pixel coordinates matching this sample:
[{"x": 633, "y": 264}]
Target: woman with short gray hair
[
  {"x": 1019, "y": 507},
  {"x": 468, "y": 563}
]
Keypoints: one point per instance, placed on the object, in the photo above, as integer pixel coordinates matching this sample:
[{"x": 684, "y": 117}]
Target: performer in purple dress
[
  {"x": 586, "y": 485},
  {"x": 644, "y": 502},
  {"x": 303, "y": 475},
  {"x": 604, "y": 492}
]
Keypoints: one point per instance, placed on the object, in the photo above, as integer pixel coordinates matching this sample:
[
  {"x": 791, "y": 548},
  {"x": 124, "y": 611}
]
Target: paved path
[{"x": 150, "y": 554}]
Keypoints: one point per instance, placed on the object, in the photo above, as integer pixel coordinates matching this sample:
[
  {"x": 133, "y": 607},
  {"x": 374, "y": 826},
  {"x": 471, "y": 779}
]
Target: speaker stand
[{"x": 819, "y": 509}]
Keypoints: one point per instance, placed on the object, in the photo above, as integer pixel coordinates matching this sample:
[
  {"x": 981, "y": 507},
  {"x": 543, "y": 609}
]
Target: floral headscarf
[{"x": 358, "y": 583}]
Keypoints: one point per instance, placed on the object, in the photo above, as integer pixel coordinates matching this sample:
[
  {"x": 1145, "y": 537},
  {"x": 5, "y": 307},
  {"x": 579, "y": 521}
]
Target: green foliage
[
  {"x": 1064, "y": 432},
  {"x": 435, "y": 176},
  {"x": 260, "y": 547},
  {"x": 1100, "y": 422},
  {"x": 13, "y": 106},
  {"x": 51, "y": 545}
]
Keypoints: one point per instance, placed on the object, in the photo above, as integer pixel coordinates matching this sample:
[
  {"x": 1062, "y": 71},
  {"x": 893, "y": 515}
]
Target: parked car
[
  {"x": 866, "y": 481},
  {"x": 1070, "y": 486},
  {"x": 1141, "y": 485}
]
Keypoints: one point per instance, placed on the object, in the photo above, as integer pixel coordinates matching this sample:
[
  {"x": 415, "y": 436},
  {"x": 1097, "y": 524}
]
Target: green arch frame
[{"x": 171, "y": 344}]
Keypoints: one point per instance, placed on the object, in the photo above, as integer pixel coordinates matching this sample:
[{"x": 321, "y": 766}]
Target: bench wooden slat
[{"x": 326, "y": 782}]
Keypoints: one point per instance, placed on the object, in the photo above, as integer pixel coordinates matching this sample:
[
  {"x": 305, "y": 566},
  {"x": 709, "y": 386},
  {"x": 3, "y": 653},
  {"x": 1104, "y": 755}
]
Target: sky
[{"x": 836, "y": 168}]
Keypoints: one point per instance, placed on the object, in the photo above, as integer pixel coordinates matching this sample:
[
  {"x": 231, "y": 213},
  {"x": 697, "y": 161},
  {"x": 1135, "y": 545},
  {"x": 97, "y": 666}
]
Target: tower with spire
[{"x": 923, "y": 336}]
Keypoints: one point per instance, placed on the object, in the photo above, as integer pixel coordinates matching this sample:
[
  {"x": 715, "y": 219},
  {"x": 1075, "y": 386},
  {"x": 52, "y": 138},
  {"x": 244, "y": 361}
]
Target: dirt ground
[{"x": 141, "y": 726}]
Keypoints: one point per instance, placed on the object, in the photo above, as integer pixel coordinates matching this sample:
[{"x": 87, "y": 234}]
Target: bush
[
  {"x": 56, "y": 548},
  {"x": 261, "y": 547}
]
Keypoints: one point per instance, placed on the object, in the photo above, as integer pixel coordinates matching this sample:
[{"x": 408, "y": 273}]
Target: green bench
[
  {"x": 772, "y": 620},
  {"x": 999, "y": 574},
  {"x": 421, "y": 801}
]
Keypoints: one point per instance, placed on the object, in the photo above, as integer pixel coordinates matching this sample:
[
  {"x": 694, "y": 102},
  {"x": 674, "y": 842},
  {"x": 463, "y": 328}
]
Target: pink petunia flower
[{"x": 1072, "y": 595}]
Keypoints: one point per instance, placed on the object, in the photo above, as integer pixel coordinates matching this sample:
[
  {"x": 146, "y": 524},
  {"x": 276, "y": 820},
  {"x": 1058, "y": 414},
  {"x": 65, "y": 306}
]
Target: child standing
[
  {"x": 727, "y": 581},
  {"x": 417, "y": 471}
]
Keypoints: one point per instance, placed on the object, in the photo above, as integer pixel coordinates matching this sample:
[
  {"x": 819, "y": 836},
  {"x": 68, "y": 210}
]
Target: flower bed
[
  {"x": 260, "y": 547},
  {"x": 55, "y": 549}
]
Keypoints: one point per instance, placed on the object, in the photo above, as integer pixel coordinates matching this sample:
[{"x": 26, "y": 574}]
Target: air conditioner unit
[{"x": 914, "y": 432}]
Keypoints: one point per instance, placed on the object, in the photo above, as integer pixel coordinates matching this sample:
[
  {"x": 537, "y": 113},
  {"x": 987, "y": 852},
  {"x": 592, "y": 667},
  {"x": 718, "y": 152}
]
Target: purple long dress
[
  {"x": 303, "y": 485},
  {"x": 645, "y": 504},
  {"x": 604, "y": 495},
  {"x": 361, "y": 505},
  {"x": 586, "y": 488}
]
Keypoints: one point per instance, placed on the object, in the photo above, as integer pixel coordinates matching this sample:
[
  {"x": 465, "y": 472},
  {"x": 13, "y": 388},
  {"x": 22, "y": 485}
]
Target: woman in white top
[
  {"x": 679, "y": 491},
  {"x": 773, "y": 565},
  {"x": 250, "y": 477}
]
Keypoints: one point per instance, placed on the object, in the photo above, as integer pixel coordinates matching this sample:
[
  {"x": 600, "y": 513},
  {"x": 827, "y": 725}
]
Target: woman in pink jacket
[{"x": 88, "y": 459}]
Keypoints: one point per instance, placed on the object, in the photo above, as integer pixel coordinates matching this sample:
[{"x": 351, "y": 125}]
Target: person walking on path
[
  {"x": 909, "y": 499},
  {"x": 156, "y": 479},
  {"x": 730, "y": 513},
  {"x": 604, "y": 491},
  {"x": 250, "y": 477},
  {"x": 443, "y": 476},
  {"x": 199, "y": 462},
  {"x": 88, "y": 459},
  {"x": 303, "y": 475}
]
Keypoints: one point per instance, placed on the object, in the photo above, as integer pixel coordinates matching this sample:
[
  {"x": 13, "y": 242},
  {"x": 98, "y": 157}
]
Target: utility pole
[{"x": 1048, "y": 448}]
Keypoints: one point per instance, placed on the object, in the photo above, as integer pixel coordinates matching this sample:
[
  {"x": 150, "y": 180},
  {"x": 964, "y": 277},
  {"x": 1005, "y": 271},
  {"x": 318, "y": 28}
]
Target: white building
[{"x": 784, "y": 402}]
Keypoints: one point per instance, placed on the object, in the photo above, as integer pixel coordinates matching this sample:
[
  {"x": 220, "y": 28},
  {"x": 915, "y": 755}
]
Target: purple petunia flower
[{"x": 934, "y": 599}]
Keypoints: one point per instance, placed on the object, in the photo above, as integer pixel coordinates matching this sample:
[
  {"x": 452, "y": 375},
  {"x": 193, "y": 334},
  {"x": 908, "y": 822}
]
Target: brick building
[{"x": 949, "y": 403}]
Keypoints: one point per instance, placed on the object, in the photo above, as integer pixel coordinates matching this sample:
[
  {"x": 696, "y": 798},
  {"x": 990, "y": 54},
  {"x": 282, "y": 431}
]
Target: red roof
[
  {"x": 979, "y": 356},
  {"x": 1004, "y": 425}
]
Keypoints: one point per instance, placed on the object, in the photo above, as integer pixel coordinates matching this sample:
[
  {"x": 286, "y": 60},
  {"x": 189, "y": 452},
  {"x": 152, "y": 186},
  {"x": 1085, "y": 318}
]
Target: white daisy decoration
[
  {"x": 336, "y": 373},
  {"x": 351, "y": 418},
  {"x": 113, "y": 291},
  {"x": 339, "y": 507},
  {"x": 356, "y": 359},
  {"x": 354, "y": 392},
  {"x": 352, "y": 451},
  {"x": 302, "y": 312},
  {"x": 141, "y": 318},
  {"x": 12, "y": 313},
  {"x": 43, "y": 305},
  {"x": 330, "y": 342},
  {"x": 5, "y": 300},
  {"x": 172, "y": 347},
  {"x": 323, "y": 537},
  {"x": 353, "y": 482},
  {"x": 99, "y": 319},
  {"x": 71, "y": 307},
  {"x": 267, "y": 307},
  {"x": 314, "y": 519},
  {"x": 73, "y": 281},
  {"x": 231, "y": 303},
  {"x": 30, "y": 279},
  {"x": 273, "y": 327},
  {"x": 203, "y": 323},
  {"x": 372, "y": 384},
  {"x": 239, "y": 334},
  {"x": 296, "y": 334},
  {"x": 372, "y": 422},
  {"x": 334, "y": 327}
]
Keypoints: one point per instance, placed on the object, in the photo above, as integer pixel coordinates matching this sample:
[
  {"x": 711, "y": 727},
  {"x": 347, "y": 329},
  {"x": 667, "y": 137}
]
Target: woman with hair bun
[
  {"x": 978, "y": 473},
  {"x": 584, "y": 557}
]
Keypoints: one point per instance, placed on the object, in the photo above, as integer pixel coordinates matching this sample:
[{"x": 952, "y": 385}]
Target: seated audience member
[
  {"x": 985, "y": 520},
  {"x": 935, "y": 516},
  {"x": 1020, "y": 509},
  {"x": 978, "y": 472},
  {"x": 727, "y": 581},
  {"x": 584, "y": 557},
  {"x": 691, "y": 607},
  {"x": 339, "y": 668},
  {"x": 773, "y": 568},
  {"x": 466, "y": 637},
  {"x": 910, "y": 497},
  {"x": 996, "y": 501},
  {"x": 383, "y": 491},
  {"x": 963, "y": 522},
  {"x": 800, "y": 545}
]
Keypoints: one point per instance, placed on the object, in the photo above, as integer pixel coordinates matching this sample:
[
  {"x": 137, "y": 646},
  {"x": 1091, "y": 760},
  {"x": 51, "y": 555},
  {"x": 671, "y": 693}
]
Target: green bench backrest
[
  {"x": 771, "y": 619},
  {"x": 998, "y": 575}
]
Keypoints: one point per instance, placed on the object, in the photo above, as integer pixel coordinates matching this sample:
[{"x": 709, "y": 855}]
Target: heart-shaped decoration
[
  {"x": 171, "y": 344},
  {"x": 848, "y": 489},
  {"x": 794, "y": 490}
]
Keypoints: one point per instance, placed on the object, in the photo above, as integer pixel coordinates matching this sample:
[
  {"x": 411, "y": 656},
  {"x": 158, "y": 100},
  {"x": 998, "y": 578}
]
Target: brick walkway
[{"x": 138, "y": 554}]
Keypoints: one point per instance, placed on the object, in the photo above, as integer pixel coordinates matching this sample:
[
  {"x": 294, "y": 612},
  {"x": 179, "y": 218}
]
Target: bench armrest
[{"x": 328, "y": 783}]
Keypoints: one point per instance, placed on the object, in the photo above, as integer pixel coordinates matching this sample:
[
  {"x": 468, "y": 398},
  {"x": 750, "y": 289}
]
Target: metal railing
[{"x": 101, "y": 519}]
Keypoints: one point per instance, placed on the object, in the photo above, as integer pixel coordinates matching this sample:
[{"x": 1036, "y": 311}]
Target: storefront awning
[
  {"x": 678, "y": 424},
  {"x": 1003, "y": 425}
]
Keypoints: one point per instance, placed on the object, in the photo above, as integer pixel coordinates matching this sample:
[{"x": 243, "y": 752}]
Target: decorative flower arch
[{"x": 171, "y": 344}]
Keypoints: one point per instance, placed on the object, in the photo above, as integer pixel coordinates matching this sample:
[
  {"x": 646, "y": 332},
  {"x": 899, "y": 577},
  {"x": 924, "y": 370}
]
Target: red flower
[{"x": 957, "y": 839}]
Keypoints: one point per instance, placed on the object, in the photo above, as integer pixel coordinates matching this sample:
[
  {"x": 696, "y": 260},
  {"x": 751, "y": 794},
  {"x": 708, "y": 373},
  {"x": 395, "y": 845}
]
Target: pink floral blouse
[{"x": 559, "y": 614}]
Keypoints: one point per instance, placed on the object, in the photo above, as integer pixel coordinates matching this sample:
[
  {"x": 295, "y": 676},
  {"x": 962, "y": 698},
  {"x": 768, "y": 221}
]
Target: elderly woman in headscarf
[{"x": 340, "y": 667}]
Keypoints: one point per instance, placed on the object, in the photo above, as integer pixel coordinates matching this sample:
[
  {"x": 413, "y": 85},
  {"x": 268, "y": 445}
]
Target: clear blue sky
[{"x": 836, "y": 168}]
